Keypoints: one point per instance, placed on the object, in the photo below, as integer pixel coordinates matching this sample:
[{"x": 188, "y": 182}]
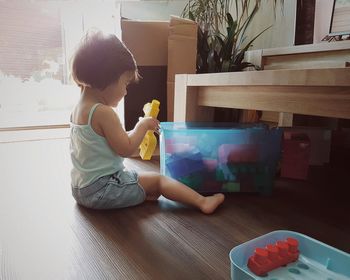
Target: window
[{"x": 37, "y": 39}]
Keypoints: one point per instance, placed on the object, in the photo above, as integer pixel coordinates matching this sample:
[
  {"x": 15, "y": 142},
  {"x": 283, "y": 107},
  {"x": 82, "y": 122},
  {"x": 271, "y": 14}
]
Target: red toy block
[
  {"x": 295, "y": 156},
  {"x": 232, "y": 153},
  {"x": 273, "y": 256}
]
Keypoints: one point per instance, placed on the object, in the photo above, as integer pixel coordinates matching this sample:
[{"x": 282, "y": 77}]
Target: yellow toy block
[{"x": 149, "y": 142}]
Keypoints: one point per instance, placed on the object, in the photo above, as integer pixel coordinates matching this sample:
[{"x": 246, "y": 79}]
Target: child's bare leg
[{"x": 156, "y": 185}]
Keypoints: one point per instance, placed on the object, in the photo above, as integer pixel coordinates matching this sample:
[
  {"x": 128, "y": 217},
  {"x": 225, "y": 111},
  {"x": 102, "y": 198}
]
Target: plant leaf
[
  {"x": 191, "y": 16},
  {"x": 240, "y": 55}
]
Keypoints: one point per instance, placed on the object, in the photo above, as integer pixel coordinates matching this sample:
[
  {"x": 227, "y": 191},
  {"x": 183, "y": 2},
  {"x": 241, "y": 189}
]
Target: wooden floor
[{"x": 44, "y": 234}]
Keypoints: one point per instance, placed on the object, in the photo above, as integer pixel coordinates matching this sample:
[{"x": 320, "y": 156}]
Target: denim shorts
[{"x": 118, "y": 190}]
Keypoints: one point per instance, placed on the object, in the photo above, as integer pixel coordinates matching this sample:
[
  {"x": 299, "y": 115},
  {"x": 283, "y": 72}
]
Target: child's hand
[{"x": 149, "y": 123}]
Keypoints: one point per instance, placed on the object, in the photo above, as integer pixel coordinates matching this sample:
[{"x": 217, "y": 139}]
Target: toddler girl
[{"x": 103, "y": 68}]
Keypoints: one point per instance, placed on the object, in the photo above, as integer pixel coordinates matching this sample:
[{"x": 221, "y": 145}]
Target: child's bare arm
[{"x": 121, "y": 142}]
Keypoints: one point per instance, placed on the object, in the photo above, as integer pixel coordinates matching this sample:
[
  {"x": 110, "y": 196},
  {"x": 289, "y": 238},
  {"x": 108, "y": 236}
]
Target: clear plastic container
[
  {"x": 220, "y": 157},
  {"x": 317, "y": 261}
]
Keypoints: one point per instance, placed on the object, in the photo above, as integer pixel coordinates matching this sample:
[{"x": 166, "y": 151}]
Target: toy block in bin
[
  {"x": 210, "y": 164},
  {"x": 193, "y": 180},
  {"x": 223, "y": 173},
  {"x": 183, "y": 164},
  {"x": 172, "y": 147},
  {"x": 231, "y": 187},
  {"x": 273, "y": 256},
  {"x": 295, "y": 156},
  {"x": 230, "y": 153},
  {"x": 316, "y": 260}
]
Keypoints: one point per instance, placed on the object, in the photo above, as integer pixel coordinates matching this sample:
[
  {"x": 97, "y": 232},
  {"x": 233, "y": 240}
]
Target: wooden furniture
[
  {"x": 313, "y": 56},
  {"x": 321, "y": 88}
]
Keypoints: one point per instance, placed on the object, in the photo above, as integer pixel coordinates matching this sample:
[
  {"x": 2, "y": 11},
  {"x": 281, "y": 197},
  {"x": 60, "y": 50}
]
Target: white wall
[
  {"x": 281, "y": 34},
  {"x": 152, "y": 10}
]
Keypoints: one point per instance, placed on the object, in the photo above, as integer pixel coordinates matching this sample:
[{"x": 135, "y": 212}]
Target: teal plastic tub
[
  {"x": 220, "y": 157},
  {"x": 317, "y": 261}
]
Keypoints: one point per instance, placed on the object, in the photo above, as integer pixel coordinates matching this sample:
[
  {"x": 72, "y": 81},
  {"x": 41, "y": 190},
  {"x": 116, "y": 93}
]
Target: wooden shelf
[{"x": 319, "y": 92}]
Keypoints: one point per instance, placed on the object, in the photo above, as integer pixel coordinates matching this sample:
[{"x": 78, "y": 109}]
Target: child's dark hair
[{"x": 100, "y": 60}]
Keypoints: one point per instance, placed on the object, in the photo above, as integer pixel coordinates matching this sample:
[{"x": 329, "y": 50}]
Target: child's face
[{"x": 118, "y": 89}]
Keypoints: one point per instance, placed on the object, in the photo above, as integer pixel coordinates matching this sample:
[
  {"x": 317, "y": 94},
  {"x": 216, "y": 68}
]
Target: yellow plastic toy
[{"x": 149, "y": 142}]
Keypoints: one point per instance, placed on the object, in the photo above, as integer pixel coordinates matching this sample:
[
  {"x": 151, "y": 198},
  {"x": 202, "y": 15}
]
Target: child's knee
[{"x": 162, "y": 179}]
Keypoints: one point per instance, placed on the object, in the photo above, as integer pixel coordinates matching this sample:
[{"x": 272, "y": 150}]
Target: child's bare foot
[{"x": 210, "y": 203}]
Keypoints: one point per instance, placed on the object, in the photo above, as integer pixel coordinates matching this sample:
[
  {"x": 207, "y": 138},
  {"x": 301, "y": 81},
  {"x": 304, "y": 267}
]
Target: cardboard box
[
  {"x": 161, "y": 50},
  {"x": 148, "y": 42},
  {"x": 182, "y": 55}
]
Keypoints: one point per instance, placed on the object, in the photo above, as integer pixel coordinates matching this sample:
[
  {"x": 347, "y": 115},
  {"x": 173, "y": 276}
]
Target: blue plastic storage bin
[
  {"x": 220, "y": 157},
  {"x": 317, "y": 261}
]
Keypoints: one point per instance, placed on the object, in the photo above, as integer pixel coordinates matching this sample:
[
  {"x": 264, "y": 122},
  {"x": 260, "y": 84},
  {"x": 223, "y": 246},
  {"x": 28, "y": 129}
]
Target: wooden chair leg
[{"x": 285, "y": 119}]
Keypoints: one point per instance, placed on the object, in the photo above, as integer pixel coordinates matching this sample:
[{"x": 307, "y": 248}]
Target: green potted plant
[{"x": 221, "y": 38}]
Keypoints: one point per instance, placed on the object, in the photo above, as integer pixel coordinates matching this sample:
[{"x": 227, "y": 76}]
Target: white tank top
[{"x": 91, "y": 155}]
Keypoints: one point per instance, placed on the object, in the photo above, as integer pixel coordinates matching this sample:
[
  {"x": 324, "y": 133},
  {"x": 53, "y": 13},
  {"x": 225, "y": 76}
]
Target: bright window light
[{"x": 36, "y": 43}]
